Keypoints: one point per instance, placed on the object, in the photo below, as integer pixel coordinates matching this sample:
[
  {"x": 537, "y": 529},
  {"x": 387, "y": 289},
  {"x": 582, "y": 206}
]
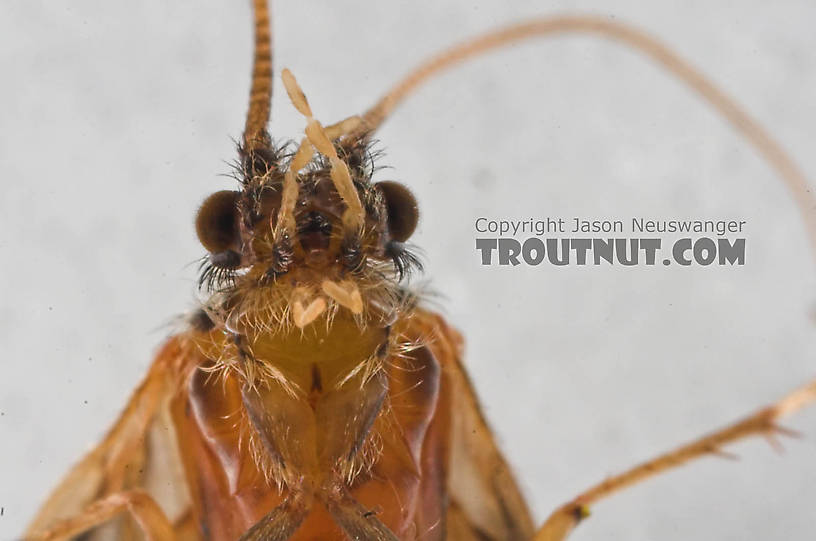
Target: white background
[{"x": 117, "y": 119}]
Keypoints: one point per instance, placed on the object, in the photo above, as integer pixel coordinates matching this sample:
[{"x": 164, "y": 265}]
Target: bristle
[{"x": 404, "y": 260}]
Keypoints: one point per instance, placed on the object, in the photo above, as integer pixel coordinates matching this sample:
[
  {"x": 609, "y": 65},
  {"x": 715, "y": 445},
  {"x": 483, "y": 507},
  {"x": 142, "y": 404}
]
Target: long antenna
[
  {"x": 747, "y": 126},
  {"x": 260, "y": 94}
]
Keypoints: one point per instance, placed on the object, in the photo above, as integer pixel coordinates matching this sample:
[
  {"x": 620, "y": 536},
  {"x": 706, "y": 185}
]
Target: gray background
[{"x": 117, "y": 119}]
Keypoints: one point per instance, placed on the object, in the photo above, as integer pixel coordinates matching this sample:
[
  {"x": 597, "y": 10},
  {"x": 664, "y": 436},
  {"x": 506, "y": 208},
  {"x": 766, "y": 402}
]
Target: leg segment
[
  {"x": 762, "y": 423},
  {"x": 316, "y": 449},
  {"x": 280, "y": 523},
  {"x": 145, "y": 511},
  {"x": 356, "y": 520}
]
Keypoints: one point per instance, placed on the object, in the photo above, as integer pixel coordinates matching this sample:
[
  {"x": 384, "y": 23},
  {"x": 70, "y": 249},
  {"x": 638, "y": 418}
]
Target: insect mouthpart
[
  {"x": 314, "y": 231},
  {"x": 314, "y": 222}
]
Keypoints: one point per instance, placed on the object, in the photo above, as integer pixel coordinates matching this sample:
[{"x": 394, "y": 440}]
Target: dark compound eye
[
  {"x": 217, "y": 222},
  {"x": 401, "y": 206}
]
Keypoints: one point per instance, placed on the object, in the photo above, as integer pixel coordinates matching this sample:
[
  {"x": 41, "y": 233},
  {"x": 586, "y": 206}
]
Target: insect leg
[
  {"x": 108, "y": 469},
  {"x": 280, "y": 523},
  {"x": 762, "y": 423},
  {"x": 356, "y": 520},
  {"x": 147, "y": 513},
  {"x": 344, "y": 417},
  {"x": 285, "y": 426}
]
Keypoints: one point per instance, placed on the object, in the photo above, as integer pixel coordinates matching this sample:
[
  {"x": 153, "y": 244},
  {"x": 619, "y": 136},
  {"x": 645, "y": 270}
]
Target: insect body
[{"x": 313, "y": 396}]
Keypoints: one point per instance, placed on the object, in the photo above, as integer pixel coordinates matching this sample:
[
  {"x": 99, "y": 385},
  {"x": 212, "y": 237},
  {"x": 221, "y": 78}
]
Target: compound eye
[
  {"x": 217, "y": 222},
  {"x": 401, "y": 206}
]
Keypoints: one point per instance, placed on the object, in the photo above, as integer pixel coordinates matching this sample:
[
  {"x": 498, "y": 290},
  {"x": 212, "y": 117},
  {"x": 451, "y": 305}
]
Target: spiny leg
[
  {"x": 291, "y": 433},
  {"x": 346, "y": 416},
  {"x": 357, "y": 521},
  {"x": 763, "y": 423},
  {"x": 148, "y": 515},
  {"x": 280, "y": 523}
]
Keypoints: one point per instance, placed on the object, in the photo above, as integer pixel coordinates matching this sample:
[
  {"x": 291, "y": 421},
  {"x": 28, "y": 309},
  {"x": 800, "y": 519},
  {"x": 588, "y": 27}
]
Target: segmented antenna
[
  {"x": 768, "y": 147},
  {"x": 260, "y": 94}
]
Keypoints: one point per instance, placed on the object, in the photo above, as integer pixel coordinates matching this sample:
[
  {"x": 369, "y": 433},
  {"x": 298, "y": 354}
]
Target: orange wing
[
  {"x": 485, "y": 501},
  {"x": 139, "y": 452}
]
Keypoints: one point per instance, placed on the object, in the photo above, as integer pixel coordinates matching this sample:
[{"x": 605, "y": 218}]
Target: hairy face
[{"x": 250, "y": 246}]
